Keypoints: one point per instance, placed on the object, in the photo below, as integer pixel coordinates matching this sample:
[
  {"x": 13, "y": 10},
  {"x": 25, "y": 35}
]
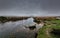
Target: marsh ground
[{"x": 51, "y": 29}]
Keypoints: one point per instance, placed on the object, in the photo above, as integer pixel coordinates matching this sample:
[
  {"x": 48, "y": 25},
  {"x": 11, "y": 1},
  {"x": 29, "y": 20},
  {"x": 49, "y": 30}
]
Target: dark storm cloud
[
  {"x": 19, "y": 4},
  {"x": 29, "y": 7},
  {"x": 52, "y": 6},
  {"x": 4, "y": 4}
]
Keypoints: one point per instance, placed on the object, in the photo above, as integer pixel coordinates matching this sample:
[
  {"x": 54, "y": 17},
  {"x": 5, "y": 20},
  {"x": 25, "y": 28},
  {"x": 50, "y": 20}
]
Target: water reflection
[{"x": 17, "y": 29}]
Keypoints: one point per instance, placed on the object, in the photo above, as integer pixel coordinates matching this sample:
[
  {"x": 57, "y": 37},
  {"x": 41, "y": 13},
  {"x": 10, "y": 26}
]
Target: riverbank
[
  {"x": 4, "y": 19},
  {"x": 51, "y": 29}
]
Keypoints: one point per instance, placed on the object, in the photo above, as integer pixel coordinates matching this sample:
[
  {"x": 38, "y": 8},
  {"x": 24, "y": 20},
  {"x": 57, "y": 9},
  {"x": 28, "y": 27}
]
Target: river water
[{"x": 17, "y": 29}]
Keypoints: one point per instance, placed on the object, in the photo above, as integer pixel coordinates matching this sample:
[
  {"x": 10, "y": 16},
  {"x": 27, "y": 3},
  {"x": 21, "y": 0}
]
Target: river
[{"x": 17, "y": 29}]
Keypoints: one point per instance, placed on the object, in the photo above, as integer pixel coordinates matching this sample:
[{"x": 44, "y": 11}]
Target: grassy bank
[{"x": 51, "y": 29}]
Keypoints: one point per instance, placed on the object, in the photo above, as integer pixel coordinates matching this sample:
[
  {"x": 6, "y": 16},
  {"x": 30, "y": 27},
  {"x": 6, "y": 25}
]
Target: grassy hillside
[{"x": 51, "y": 29}]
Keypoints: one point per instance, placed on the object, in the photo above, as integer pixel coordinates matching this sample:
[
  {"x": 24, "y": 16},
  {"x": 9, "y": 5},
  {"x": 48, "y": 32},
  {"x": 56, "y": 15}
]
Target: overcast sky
[{"x": 29, "y": 7}]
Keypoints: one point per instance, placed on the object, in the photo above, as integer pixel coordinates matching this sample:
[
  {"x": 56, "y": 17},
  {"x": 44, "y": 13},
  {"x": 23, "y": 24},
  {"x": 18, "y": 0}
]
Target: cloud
[{"x": 29, "y": 7}]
